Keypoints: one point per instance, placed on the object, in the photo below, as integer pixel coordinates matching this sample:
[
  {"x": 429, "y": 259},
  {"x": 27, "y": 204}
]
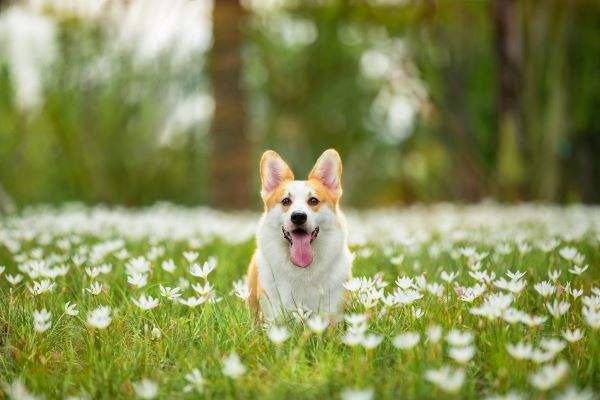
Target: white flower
[
  {"x": 42, "y": 320},
  {"x": 105, "y": 268},
  {"x": 533, "y": 320},
  {"x": 553, "y": 275},
  {"x": 545, "y": 288},
  {"x": 145, "y": 389},
  {"x": 577, "y": 270},
  {"x": 539, "y": 356},
  {"x": 206, "y": 268},
  {"x": 78, "y": 259},
  {"x": 170, "y": 293},
  {"x": 43, "y": 286},
  {"x": 469, "y": 294},
  {"x": 278, "y": 334},
  {"x": 99, "y": 318},
  {"x": 353, "y": 285},
  {"x": 145, "y": 302},
  {"x": 156, "y": 333},
  {"x": 355, "y": 319},
  {"x": 446, "y": 379},
  {"x": 520, "y": 351},
  {"x": 205, "y": 290},
  {"x": 196, "y": 381},
  {"x": 572, "y": 335},
  {"x": 462, "y": 354},
  {"x": 356, "y": 394},
  {"x": 549, "y": 375},
  {"x": 514, "y": 285},
  {"x": 512, "y": 315},
  {"x": 138, "y": 265},
  {"x": 95, "y": 288},
  {"x": 404, "y": 282},
  {"x": 572, "y": 393},
  {"x": 317, "y": 324},
  {"x": 168, "y": 265},
  {"x": 406, "y": 341},
  {"x": 557, "y": 309},
  {"x": 397, "y": 260},
  {"x": 14, "y": 279},
  {"x": 137, "y": 279},
  {"x": 434, "y": 333},
  {"x": 552, "y": 345},
  {"x": 459, "y": 338},
  {"x": 371, "y": 340},
  {"x": 70, "y": 309},
  {"x": 2, "y": 269},
  {"x": 435, "y": 289},
  {"x": 352, "y": 338},
  {"x": 18, "y": 391},
  {"x": 483, "y": 276},
  {"x": 515, "y": 276},
  {"x": 406, "y": 297},
  {"x": 575, "y": 293},
  {"x": 449, "y": 277},
  {"x": 591, "y": 316},
  {"x": 92, "y": 272},
  {"x": 190, "y": 256},
  {"x": 568, "y": 253},
  {"x": 192, "y": 301},
  {"x": 417, "y": 312},
  {"x": 232, "y": 366},
  {"x": 241, "y": 289}
]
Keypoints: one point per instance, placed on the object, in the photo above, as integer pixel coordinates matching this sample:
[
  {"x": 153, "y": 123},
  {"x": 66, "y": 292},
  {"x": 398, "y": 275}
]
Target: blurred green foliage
[{"x": 307, "y": 85}]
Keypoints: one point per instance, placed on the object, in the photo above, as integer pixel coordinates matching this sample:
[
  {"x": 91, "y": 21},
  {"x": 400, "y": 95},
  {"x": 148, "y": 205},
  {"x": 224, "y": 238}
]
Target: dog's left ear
[{"x": 328, "y": 170}]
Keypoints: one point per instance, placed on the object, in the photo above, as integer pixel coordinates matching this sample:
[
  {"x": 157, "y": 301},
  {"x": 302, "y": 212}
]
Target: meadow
[{"x": 447, "y": 301}]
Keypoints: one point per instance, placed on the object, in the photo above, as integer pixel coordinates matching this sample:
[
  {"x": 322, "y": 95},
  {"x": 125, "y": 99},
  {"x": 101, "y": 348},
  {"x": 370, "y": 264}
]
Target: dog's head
[{"x": 303, "y": 209}]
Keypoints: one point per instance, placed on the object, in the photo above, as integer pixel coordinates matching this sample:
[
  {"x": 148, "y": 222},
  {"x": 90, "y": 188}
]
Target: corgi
[{"x": 302, "y": 257}]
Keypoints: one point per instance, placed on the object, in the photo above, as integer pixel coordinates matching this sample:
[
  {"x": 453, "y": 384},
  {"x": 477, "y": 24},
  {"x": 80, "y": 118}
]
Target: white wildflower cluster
[
  {"x": 548, "y": 349},
  {"x": 204, "y": 291},
  {"x": 591, "y": 309},
  {"x": 446, "y": 281}
]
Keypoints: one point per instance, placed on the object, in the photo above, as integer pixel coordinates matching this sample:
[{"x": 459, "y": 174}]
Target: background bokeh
[{"x": 133, "y": 102}]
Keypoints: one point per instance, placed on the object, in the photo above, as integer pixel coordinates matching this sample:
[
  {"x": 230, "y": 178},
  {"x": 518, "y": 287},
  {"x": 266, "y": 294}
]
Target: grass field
[{"x": 453, "y": 304}]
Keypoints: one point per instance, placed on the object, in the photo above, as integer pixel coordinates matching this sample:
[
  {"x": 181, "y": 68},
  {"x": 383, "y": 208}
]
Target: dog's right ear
[{"x": 273, "y": 171}]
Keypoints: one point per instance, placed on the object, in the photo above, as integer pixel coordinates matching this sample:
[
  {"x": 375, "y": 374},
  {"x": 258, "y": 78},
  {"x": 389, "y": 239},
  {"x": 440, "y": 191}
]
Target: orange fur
[
  {"x": 324, "y": 195},
  {"x": 253, "y": 285},
  {"x": 276, "y": 195}
]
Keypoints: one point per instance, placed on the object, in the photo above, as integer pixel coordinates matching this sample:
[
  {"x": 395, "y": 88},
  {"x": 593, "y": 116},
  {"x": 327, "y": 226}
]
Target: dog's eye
[
  {"x": 286, "y": 202},
  {"x": 313, "y": 201}
]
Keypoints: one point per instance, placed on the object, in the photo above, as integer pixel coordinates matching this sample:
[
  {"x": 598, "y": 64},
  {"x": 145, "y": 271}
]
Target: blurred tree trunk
[
  {"x": 230, "y": 163},
  {"x": 555, "y": 117},
  {"x": 510, "y": 163},
  {"x": 6, "y": 203}
]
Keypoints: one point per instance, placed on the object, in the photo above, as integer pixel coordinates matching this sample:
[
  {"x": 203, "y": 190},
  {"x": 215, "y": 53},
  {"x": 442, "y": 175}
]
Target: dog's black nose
[{"x": 298, "y": 218}]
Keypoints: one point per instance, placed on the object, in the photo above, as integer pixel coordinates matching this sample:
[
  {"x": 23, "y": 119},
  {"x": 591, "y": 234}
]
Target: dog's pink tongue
[{"x": 301, "y": 251}]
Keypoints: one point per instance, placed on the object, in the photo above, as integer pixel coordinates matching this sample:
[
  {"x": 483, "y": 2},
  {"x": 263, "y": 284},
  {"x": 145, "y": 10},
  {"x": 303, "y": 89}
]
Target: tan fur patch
[
  {"x": 276, "y": 195},
  {"x": 324, "y": 195},
  {"x": 253, "y": 285}
]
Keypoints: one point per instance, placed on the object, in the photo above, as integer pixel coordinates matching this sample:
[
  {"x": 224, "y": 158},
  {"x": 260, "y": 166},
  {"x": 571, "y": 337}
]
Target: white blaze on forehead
[{"x": 299, "y": 190}]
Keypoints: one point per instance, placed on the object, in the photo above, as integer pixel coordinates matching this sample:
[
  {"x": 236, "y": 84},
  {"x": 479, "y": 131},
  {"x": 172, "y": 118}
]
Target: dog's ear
[
  {"x": 273, "y": 171},
  {"x": 328, "y": 170}
]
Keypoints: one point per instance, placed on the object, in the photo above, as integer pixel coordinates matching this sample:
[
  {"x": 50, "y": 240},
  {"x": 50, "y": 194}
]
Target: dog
[{"x": 302, "y": 257}]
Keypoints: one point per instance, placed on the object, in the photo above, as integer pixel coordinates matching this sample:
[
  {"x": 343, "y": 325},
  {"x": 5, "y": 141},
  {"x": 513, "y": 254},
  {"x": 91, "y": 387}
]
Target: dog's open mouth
[{"x": 300, "y": 245}]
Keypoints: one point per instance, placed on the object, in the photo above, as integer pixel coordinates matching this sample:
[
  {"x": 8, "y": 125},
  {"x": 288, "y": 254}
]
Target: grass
[{"x": 72, "y": 358}]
